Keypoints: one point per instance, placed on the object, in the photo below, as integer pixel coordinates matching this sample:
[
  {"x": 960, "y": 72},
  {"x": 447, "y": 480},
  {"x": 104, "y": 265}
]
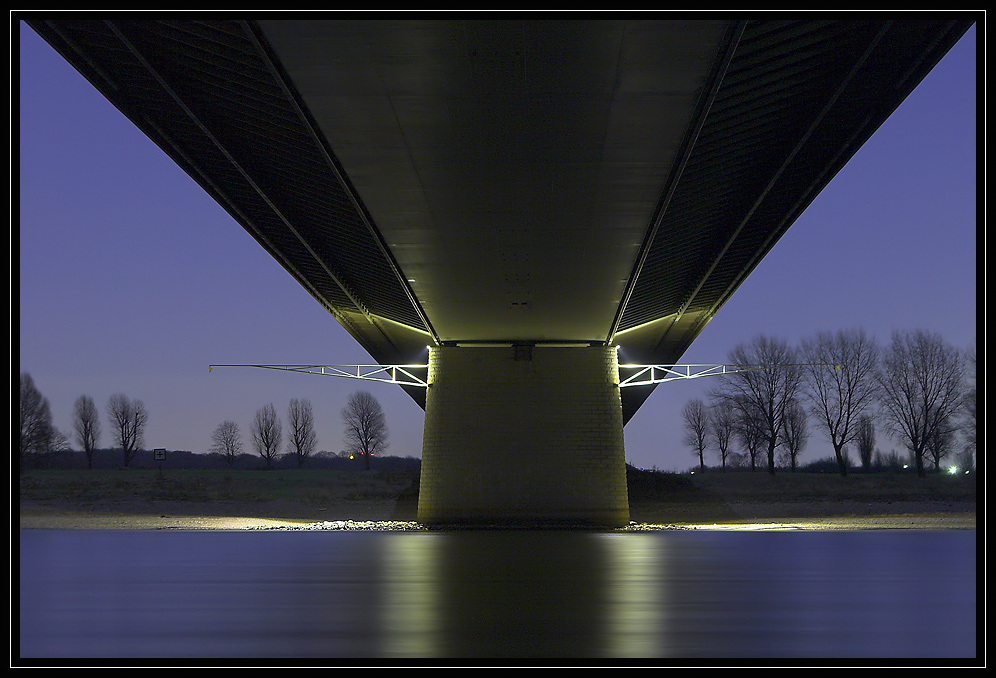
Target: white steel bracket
[
  {"x": 658, "y": 374},
  {"x": 405, "y": 375},
  {"x": 389, "y": 374}
]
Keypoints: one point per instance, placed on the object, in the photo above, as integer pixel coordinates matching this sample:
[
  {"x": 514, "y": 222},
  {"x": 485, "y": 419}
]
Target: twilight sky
[{"x": 133, "y": 280}]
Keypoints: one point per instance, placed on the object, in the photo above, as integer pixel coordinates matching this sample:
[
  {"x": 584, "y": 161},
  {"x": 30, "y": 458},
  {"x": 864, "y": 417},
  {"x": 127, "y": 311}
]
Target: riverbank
[{"x": 317, "y": 499}]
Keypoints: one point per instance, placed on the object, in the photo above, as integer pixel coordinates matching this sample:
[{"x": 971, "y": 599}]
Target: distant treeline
[
  {"x": 881, "y": 463},
  {"x": 183, "y": 459}
]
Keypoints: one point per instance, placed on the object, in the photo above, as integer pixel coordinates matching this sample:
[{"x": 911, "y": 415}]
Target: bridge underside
[{"x": 521, "y": 183}]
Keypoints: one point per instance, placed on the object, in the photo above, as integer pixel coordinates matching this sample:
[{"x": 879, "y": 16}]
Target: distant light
[{"x": 953, "y": 470}]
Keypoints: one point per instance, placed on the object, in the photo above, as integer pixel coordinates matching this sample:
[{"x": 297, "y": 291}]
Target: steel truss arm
[
  {"x": 389, "y": 374},
  {"x": 658, "y": 374},
  {"x": 404, "y": 376}
]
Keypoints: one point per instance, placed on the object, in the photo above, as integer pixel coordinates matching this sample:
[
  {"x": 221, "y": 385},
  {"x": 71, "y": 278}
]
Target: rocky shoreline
[{"x": 389, "y": 516}]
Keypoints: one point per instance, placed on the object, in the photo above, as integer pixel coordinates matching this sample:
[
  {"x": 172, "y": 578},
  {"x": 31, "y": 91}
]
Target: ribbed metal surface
[
  {"x": 796, "y": 102},
  {"x": 205, "y": 91}
]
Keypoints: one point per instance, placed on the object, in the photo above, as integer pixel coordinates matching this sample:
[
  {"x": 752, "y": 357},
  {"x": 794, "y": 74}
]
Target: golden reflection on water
[
  {"x": 635, "y": 623},
  {"x": 410, "y": 615},
  {"x": 522, "y": 594}
]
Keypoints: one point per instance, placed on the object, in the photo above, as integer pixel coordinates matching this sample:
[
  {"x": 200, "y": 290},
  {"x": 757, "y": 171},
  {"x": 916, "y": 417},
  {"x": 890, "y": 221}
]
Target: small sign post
[{"x": 159, "y": 454}]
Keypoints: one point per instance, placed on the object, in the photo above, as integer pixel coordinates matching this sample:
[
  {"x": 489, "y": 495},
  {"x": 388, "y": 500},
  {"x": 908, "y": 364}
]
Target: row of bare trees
[
  {"x": 919, "y": 388},
  {"x": 365, "y": 431},
  {"x": 38, "y": 435}
]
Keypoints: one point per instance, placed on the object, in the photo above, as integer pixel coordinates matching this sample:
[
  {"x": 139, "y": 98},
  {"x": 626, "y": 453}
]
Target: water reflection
[{"x": 520, "y": 594}]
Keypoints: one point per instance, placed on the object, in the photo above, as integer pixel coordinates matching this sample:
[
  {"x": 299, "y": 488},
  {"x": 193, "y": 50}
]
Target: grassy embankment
[
  {"x": 718, "y": 496},
  {"x": 654, "y": 497},
  {"x": 304, "y": 492}
]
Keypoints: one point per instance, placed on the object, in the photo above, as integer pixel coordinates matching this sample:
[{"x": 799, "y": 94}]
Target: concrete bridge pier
[{"x": 522, "y": 436}]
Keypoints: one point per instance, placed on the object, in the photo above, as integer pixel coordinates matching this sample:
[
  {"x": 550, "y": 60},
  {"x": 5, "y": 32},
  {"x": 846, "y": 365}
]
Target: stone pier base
[{"x": 518, "y": 436}]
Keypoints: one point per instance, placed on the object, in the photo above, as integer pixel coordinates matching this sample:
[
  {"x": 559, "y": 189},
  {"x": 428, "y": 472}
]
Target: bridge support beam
[{"x": 523, "y": 436}]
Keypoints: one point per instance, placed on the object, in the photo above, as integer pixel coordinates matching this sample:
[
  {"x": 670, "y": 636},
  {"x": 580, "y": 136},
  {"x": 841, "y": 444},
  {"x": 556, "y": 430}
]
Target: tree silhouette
[
  {"x": 747, "y": 426},
  {"x": 227, "y": 441},
  {"x": 920, "y": 389},
  {"x": 865, "y": 440},
  {"x": 128, "y": 419},
  {"x": 840, "y": 382},
  {"x": 36, "y": 421},
  {"x": 795, "y": 432},
  {"x": 969, "y": 421},
  {"x": 301, "y": 420},
  {"x": 266, "y": 431},
  {"x": 940, "y": 443},
  {"x": 696, "y": 428},
  {"x": 86, "y": 425},
  {"x": 767, "y": 389},
  {"x": 722, "y": 425},
  {"x": 366, "y": 427}
]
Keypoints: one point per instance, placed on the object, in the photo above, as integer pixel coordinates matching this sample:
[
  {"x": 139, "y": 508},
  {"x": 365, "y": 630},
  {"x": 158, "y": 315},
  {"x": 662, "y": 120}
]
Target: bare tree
[
  {"x": 747, "y": 427},
  {"x": 839, "y": 378},
  {"x": 86, "y": 425},
  {"x": 266, "y": 432},
  {"x": 60, "y": 441},
  {"x": 940, "y": 443},
  {"x": 36, "y": 421},
  {"x": 920, "y": 389},
  {"x": 865, "y": 440},
  {"x": 696, "y": 428},
  {"x": 302, "y": 430},
  {"x": 795, "y": 432},
  {"x": 128, "y": 419},
  {"x": 969, "y": 420},
  {"x": 366, "y": 427},
  {"x": 227, "y": 441},
  {"x": 767, "y": 388},
  {"x": 723, "y": 426}
]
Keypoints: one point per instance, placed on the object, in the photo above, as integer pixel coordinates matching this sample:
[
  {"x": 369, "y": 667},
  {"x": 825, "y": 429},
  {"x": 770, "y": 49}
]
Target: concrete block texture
[{"x": 523, "y": 437}]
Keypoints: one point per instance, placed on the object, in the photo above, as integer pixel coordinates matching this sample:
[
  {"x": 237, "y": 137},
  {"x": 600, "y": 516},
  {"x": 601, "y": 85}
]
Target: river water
[{"x": 492, "y": 595}]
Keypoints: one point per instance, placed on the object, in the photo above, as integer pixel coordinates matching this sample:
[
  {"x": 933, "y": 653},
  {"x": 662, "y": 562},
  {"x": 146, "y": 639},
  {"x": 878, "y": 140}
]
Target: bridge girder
[{"x": 466, "y": 181}]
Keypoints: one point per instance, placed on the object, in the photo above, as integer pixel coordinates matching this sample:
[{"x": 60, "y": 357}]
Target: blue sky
[{"x": 132, "y": 280}]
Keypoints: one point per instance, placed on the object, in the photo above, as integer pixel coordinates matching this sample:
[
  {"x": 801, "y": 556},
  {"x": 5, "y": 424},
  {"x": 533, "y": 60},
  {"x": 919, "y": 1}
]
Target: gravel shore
[{"x": 386, "y": 515}]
